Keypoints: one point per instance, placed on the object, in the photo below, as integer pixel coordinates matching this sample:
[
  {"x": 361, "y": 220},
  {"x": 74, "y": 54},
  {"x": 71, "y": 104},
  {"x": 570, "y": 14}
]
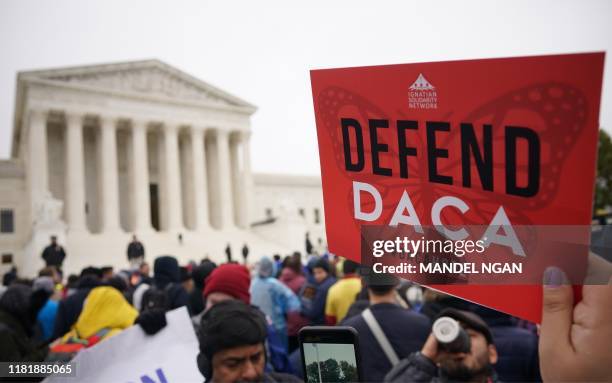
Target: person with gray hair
[{"x": 272, "y": 297}]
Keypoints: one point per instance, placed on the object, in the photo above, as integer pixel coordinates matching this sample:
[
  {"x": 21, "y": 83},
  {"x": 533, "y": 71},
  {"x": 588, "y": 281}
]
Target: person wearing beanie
[
  {"x": 228, "y": 281},
  {"x": 231, "y": 282},
  {"x": 433, "y": 364},
  {"x": 273, "y": 298},
  {"x": 232, "y": 345},
  {"x": 314, "y": 295}
]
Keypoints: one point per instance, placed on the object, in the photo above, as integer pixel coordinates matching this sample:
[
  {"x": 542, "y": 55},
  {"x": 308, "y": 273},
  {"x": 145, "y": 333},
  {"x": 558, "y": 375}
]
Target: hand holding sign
[
  {"x": 488, "y": 143},
  {"x": 575, "y": 341}
]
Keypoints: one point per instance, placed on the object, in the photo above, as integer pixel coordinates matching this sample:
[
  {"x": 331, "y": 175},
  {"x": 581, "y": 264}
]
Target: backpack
[{"x": 156, "y": 298}]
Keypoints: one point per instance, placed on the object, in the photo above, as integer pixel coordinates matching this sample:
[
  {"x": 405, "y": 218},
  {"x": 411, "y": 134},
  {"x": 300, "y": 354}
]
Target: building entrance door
[{"x": 154, "y": 198}]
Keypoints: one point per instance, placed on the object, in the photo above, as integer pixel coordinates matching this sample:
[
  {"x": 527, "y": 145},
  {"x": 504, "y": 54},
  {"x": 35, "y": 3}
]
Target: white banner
[{"x": 135, "y": 357}]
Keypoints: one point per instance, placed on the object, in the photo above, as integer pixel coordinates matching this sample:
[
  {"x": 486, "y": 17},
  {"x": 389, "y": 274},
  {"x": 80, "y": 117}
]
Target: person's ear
[{"x": 492, "y": 354}]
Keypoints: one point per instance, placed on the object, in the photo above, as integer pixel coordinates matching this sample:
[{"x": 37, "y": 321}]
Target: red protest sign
[{"x": 507, "y": 141}]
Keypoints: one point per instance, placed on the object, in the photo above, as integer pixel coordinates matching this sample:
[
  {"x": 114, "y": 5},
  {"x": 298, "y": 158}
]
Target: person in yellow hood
[{"x": 105, "y": 313}]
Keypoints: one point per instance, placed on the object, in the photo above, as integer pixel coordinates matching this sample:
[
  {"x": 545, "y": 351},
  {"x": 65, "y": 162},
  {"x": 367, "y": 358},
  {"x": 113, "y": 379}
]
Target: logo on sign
[{"x": 422, "y": 95}]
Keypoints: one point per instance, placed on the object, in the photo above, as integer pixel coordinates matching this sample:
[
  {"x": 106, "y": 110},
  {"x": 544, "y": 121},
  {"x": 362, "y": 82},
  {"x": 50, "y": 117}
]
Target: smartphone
[{"x": 330, "y": 354}]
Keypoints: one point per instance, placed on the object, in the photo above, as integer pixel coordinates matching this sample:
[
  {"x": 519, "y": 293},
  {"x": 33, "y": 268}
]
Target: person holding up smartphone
[{"x": 436, "y": 362}]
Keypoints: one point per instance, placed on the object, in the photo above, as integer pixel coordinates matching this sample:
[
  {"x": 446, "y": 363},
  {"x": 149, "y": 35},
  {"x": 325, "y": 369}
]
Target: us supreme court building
[{"x": 102, "y": 152}]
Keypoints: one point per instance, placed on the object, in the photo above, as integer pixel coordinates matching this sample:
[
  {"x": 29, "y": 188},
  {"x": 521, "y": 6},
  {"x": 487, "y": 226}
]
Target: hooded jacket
[
  {"x": 166, "y": 271},
  {"x": 272, "y": 297},
  {"x": 105, "y": 313}
]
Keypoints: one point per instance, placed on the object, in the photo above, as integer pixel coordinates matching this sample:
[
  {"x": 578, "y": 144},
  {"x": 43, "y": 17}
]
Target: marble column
[
  {"x": 225, "y": 179},
  {"x": 108, "y": 176},
  {"x": 236, "y": 182},
  {"x": 139, "y": 178},
  {"x": 171, "y": 175},
  {"x": 38, "y": 169},
  {"x": 200, "y": 189},
  {"x": 246, "y": 179},
  {"x": 75, "y": 174}
]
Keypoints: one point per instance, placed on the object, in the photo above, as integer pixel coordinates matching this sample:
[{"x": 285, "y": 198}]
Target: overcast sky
[{"x": 262, "y": 51}]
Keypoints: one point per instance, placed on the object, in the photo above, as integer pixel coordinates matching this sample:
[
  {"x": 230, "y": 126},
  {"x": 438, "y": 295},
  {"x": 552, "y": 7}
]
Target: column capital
[
  {"x": 194, "y": 128},
  {"x": 244, "y": 135},
  {"x": 38, "y": 112},
  {"x": 219, "y": 132},
  {"x": 169, "y": 126},
  {"x": 73, "y": 118},
  {"x": 138, "y": 123},
  {"x": 109, "y": 119},
  {"x": 196, "y": 131}
]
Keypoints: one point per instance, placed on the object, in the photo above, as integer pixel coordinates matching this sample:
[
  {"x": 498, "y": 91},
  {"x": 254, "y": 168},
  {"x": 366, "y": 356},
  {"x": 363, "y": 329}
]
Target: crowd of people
[{"x": 247, "y": 318}]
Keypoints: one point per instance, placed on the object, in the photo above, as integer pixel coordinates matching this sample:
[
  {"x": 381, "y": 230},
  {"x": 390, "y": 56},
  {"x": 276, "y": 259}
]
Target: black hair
[
  {"x": 380, "y": 283},
  {"x": 349, "y": 267},
  {"x": 118, "y": 283},
  {"x": 93, "y": 271},
  {"x": 73, "y": 280},
  {"x": 185, "y": 274},
  {"x": 322, "y": 264},
  {"x": 201, "y": 272}
]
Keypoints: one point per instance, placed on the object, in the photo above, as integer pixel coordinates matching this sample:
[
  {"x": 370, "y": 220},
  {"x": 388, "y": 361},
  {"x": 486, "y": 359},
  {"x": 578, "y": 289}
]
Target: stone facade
[{"x": 101, "y": 152}]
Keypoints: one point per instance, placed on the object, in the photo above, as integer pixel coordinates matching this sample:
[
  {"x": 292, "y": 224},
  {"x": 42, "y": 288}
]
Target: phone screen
[{"x": 329, "y": 356}]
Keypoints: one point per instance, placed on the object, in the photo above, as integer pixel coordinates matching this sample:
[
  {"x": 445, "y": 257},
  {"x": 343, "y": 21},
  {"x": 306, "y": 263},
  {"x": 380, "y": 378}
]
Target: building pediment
[{"x": 150, "y": 78}]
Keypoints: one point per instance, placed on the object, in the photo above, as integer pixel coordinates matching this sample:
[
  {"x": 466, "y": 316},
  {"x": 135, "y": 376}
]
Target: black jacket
[
  {"x": 17, "y": 316},
  {"x": 54, "y": 255},
  {"x": 166, "y": 272},
  {"x": 418, "y": 368},
  {"x": 517, "y": 348},
  {"x": 16, "y": 345},
  {"x": 405, "y": 329}
]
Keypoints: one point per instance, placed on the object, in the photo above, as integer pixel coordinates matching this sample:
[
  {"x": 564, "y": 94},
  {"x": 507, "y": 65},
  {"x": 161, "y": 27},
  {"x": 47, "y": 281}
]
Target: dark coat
[
  {"x": 418, "y": 368},
  {"x": 70, "y": 308},
  {"x": 16, "y": 327},
  {"x": 54, "y": 255},
  {"x": 199, "y": 275},
  {"x": 166, "y": 271},
  {"x": 16, "y": 345},
  {"x": 406, "y": 330},
  {"x": 314, "y": 309},
  {"x": 517, "y": 348}
]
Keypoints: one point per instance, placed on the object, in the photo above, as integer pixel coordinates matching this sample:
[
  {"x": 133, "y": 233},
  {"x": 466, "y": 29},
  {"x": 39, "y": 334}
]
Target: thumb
[{"x": 557, "y": 306}]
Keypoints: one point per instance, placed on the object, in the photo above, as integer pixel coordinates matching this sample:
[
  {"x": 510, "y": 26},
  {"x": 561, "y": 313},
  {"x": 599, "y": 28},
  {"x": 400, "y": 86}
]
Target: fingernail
[{"x": 553, "y": 277}]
